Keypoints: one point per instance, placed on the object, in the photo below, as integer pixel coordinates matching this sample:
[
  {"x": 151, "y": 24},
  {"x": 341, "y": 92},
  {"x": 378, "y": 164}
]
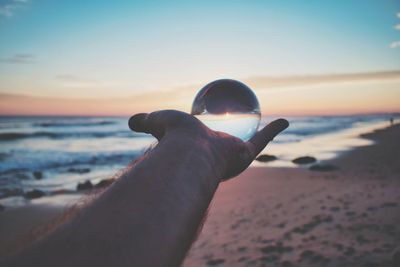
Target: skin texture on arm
[{"x": 151, "y": 214}]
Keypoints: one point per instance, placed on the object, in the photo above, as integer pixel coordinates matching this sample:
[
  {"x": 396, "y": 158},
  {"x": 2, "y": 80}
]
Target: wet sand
[
  {"x": 297, "y": 217},
  {"x": 285, "y": 216}
]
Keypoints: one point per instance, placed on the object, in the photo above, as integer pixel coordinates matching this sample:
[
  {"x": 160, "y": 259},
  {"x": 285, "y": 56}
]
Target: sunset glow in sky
[{"x": 121, "y": 57}]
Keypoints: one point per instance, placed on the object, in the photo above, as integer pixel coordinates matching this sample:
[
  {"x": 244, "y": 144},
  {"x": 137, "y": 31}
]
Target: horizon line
[
  {"x": 262, "y": 115},
  {"x": 276, "y": 82}
]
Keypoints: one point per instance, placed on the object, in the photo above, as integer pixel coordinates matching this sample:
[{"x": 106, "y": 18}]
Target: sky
[{"x": 146, "y": 54}]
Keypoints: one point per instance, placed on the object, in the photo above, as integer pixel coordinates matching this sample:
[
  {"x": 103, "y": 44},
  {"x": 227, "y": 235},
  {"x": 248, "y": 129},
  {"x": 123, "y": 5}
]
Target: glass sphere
[{"x": 228, "y": 106}]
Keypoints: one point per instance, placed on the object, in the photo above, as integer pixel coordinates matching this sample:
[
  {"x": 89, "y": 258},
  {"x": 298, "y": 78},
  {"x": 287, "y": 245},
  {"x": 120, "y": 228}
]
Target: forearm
[
  {"x": 149, "y": 217},
  {"x": 168, "y": 194}
]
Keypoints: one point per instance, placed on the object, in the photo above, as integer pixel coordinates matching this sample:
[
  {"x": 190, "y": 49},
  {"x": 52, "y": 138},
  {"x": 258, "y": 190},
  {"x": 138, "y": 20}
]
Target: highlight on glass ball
[{"x": 228, "y": 106}]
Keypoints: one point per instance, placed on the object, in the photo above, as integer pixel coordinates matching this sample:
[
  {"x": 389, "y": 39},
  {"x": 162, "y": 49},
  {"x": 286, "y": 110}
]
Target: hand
[{"x": 230, "y": 154}]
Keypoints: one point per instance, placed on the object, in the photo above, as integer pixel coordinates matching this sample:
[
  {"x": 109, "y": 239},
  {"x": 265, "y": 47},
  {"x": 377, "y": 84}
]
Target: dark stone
[
  {"x": 34, "y": 194},
  {"x": 278, "y": 248},
  {"x": 323, "y": 167},
  {"x": 307, "y": 254},
  {"x": 84, "y": 186},
  {"x": 214, "y": 262},
  {"x": 304, "y": 160},
  {"x": 317, "y": 220},
  {"x": 105, "y": 183},
  {"x": 2, "y": 207},
  {"x": 79, "y": 170},
  {"x": 266, "y": 158},
  {"x": 281, "y": 225},
  {"x": 38, "y": 175},
  {"x": 269, "y": 249}
]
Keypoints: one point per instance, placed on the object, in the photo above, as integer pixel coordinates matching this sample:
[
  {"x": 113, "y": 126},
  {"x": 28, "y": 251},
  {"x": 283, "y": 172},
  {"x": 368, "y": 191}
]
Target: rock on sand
[
  {"x": 84, "y": 186},
  {"x": 266, "y": 158},
  {"x": 304, "y": 160},
  {"x": 34, "y": 194}
]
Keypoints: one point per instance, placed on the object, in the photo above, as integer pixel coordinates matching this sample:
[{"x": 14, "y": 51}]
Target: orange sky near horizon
[{"x": 311, "y": 96}]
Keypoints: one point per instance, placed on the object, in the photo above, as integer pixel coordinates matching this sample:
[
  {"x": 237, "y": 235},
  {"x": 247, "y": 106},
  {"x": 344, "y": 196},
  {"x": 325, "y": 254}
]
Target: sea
[{"x": 55, "y": 154}]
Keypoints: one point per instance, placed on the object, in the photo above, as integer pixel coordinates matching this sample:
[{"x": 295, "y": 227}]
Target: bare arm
[{"x": 151, "y": 214}]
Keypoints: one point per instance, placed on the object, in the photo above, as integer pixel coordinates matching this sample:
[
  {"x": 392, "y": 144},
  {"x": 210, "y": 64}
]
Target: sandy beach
[
  {"x": 297, "y": 217},
  {"x": 283, "y": 216}
]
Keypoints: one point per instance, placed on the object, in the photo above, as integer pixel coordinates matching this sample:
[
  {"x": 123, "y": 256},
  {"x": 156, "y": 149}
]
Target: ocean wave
[
  {"x": 15, "y": 136},
  {"x": 314, "y": 131},
  {"x": 317, "y": 126},
  {"x": 26, "y": 161},
  {"x": 62, "y": 135},
  {"x": 73, "y": 124}
]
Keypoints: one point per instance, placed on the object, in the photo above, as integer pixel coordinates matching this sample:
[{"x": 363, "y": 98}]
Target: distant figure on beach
[
  {"x": 391, "y": 121},
  {"x": 151, "y": 215}
]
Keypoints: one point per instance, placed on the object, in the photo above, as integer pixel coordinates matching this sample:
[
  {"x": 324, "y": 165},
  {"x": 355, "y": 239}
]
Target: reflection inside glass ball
[{"x": 228, "y": 106}]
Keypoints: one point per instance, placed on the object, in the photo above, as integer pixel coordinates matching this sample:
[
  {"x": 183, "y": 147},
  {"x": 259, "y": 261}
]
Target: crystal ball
[{"x": 228, "y": 106}]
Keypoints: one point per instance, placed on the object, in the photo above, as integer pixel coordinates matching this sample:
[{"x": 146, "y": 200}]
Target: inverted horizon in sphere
[
  {"x": 228, "y": 106},
  {"x": 243, "y": 126}
]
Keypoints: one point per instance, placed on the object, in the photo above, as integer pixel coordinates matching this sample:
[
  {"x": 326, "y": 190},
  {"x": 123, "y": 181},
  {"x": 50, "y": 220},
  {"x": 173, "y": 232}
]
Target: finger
[
  {"x": 136, "y": 124},
  {"x": 260, "y": 140},
  {"x": 147, "y": 123}
]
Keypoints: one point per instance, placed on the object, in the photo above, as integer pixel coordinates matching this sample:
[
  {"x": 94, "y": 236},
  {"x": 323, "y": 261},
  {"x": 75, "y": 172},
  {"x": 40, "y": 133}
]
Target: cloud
[
  {"x": 73, "y": 81},
  {"x": 67, "y": 77},
  {"x": 19, "y": 59},
  {"x": 9, "y": 7},
  {"x": 395, "y": 44}
]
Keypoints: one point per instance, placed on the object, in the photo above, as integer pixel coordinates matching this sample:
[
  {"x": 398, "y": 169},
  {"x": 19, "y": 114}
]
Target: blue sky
[{"x": 58, "y": 48}]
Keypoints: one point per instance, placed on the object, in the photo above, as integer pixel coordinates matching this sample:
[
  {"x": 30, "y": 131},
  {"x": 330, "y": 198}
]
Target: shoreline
[
  {"x": 53, "y": 161},
  {"x": 346, "y": 141},
  {"x": 320, "y": 146},
  {"x": 259, "y": 208}
]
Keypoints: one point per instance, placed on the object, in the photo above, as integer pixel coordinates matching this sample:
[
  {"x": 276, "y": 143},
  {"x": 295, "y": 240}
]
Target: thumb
[
  {"x": 147, "y": 123},
  {"x": 261, "y": 139}
]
